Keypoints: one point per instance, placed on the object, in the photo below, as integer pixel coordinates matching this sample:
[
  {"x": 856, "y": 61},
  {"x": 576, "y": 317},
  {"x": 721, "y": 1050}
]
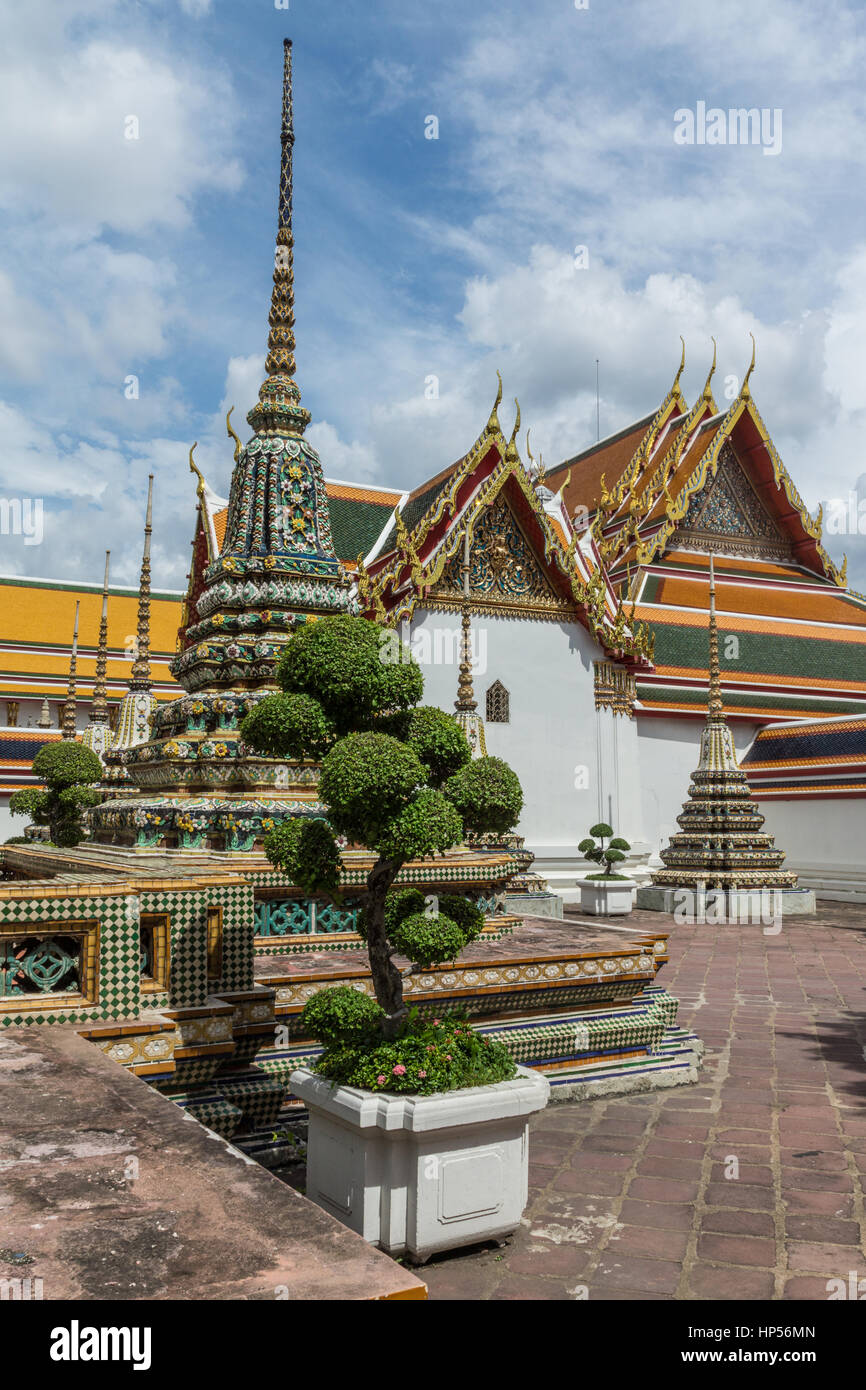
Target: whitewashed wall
[
  {"x": 551, "y": 740},
  {"x": 822, "y": 835}
]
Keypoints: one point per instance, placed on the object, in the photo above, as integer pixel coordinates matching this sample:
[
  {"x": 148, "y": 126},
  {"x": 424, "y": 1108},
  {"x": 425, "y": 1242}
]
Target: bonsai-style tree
[
  {"x": 614, "y": 854},
  {"x": 397, "y": 778},
  {"x": 68, "y": 770}
]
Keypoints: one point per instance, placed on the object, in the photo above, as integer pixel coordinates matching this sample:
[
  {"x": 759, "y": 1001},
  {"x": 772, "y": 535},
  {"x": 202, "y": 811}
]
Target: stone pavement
[{"x": 747, "y": 1186}]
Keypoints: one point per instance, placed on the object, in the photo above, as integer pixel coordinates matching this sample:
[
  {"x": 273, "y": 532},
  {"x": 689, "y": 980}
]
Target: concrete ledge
[
  {"x": 115, "y": 1193},
  {"x": 741, "y": 905},
  {"x": 535, "y": 905}
]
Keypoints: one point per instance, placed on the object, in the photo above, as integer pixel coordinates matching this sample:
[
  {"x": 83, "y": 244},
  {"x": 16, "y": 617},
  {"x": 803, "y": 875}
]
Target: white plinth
[
  {"x": 606, "y": 898},
  {"x": 420, "y": 1174}
]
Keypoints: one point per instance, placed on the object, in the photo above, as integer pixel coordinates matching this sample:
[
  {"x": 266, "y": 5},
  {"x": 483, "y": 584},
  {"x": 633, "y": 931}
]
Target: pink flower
[
  {"x": 431, "y": 1047},
  {"x": 447, "y": 1056},
  {"x": 486, "y": 1042},
  {"x": 381, "y": 1080},
  {"x": 399, "y": 1070},
  {"x": 436, "y": 1022},
  {"x": 421, "y": 1075}
]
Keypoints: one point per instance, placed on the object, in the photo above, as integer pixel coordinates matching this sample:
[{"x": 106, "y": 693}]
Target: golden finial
[
  {"x": 561, "y": 491},
  {"x": 193, "y": 468},
  {"x": 493, "y": 425},
  {"x": 707, "y": 394},
  {"x": 232, "y": 435},
  {"x": 744, "y": 389},
  {"x": 843, "y": 573},
  {"x": 363, "y": 579},
  {"x": 606, "y": 498}
]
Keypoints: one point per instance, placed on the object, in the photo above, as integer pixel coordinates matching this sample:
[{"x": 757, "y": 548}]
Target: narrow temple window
[{"x": 498, "y": 703}]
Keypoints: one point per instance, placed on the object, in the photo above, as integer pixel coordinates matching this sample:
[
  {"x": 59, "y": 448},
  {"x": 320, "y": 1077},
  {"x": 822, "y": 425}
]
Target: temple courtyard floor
[{"x": 748, "y": 1185}]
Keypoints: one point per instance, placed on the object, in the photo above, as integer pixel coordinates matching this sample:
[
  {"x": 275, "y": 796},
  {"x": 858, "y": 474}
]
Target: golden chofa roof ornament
[
  {"x": 493, "y": 425},
  {"x": 745, "y": 393},
  {"x": 278, "y": 409},
  {"x": 511, "y": 449}
]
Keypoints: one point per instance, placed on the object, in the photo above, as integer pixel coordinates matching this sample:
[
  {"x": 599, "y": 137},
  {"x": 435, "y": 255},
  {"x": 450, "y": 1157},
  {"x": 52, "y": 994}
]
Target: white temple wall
[
  {"x": 669, "y": 750},
  {"x": 824, "y": 841},
  {"x": 551, "y": 739}
]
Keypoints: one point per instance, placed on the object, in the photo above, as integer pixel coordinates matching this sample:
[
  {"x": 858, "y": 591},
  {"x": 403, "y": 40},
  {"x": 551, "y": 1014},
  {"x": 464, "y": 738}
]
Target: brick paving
[{"x": 635, "y": 1197}]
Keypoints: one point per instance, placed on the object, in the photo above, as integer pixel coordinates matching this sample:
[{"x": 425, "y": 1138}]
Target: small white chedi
[{"x": 416, "y": 1175}]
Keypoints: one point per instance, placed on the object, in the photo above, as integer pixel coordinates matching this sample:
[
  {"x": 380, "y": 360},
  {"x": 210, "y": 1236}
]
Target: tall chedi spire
[
  {"x": 138, "y": 704},
  {"x": 721, "y": 843},
  {"x": 275, "y": 571},
  {"x": 98, "y": 736},
  {"x": 67, "y": 719},
  {"x": 466, "y": 707}
]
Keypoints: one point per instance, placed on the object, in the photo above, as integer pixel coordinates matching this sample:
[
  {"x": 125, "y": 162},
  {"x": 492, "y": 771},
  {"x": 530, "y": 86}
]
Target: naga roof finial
[
  {"x": 681, "y": 368},
  {"x": 278, "y": 409},
  {"x": 744, "y": 389},
  {"x": 99, "y": 704},
  {"x": 231, "y": 435},
  {"x": 707, "y": 394},
  {"x": 511, "y": 450},
  {"x": 493, "y": 425}
]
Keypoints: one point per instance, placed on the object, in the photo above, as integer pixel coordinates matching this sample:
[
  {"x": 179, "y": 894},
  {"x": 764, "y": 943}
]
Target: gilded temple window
[{"x": 498, "y": 704}]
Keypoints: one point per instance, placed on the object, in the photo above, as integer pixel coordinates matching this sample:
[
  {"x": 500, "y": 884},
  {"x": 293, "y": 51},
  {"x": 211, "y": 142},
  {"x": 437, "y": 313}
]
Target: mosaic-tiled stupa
[
  {"x": 721, "y": 843},
  {"x": 200, "y": 786}
]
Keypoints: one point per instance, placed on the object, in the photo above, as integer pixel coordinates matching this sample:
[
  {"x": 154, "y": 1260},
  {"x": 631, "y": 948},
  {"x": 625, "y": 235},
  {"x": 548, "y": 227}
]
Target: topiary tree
[
  {"x": 613, "y": 854},
  {"x": 397, "y": 778},
  {"x": 69, "y": 771}
]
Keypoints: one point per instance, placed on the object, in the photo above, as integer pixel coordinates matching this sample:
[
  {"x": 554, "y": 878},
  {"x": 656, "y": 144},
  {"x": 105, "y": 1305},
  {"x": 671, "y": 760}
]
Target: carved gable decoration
[
  {"x": 504, "y": 573},
  {"x": 729, "y": 509}
]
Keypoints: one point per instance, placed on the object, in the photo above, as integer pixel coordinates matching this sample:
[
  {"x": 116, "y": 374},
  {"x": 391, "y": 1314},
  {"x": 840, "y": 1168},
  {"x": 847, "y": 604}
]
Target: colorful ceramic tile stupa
[
  {"x": 721, "y": 843},
  {"x": 275, "y": 571}
]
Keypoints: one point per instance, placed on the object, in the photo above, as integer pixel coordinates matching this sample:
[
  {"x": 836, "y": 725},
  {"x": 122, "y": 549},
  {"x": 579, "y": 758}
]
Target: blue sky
[{"x": 415, "y": 257}]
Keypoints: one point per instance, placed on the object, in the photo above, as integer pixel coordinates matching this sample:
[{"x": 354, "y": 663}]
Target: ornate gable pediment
[
  {"x": 728, "y": 510},
  {"x": 505, "y": 574}
]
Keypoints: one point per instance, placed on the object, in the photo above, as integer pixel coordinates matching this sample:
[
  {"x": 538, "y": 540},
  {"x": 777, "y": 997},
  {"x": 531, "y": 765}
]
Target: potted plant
[
  {"x": 607, "y": 893},
  {"x": 418, "y": 1125}
]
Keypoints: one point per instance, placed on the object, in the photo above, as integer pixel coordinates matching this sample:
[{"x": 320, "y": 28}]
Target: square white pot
[
  {"x": 611, "y": 899},
  {"x": 419, "y": 1174}
]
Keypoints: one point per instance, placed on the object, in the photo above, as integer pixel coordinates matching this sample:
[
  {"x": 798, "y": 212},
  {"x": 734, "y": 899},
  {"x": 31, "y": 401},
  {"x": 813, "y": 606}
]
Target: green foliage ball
[
  {"x": 438, "y": 740},
  {"x": 66, "y": 764},
  {"x": 427, "y": 941},
  {"x": 305, "y": 850},
  {"x": 341, "y": 1016},
  {"x": 428, "y": 1057},
  {"x": 466, "y": 914},
  {"x": 342, "y": 662},
  {"x": 288, "y": 726},
  {"x": 601, "y": 830},
  {"x": 367, "y": 779},
  {"x": 428, "y": 825},
  {"x": 487, "y": 794},
  {"x": 619, "y": 843}
]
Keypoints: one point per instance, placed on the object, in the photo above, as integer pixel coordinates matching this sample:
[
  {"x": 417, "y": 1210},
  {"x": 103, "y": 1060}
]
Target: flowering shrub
[{"x": 426, "y": 1057}]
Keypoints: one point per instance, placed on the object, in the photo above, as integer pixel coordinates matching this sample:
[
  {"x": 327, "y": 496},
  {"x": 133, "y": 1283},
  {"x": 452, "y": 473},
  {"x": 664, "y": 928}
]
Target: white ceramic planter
[
  {"x": 419, "y": 1174},
  {"x": 606, "y": 899}
]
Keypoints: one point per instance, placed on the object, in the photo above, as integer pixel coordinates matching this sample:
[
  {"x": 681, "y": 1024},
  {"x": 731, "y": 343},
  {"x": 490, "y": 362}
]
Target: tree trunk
[{"x": 387, "y": 980}]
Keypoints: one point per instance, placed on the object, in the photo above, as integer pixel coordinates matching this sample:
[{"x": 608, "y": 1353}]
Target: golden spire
[
  {"x": 231, "y": 435},
  {"x": 141, "y": 665},
  {"x": 68, "y": 717},
  {"x": 99, "y": 706},
  {"x": 716, "y": 712},
  {"x": 493, "y": 425},
  {"x": 279, "y": 409},
  {"x": 744, "y": 389}
]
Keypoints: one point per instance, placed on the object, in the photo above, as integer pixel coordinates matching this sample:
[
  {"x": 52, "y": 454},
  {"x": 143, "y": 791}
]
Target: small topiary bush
[
  {"x": 428, "y": 940},
  {"x": 488, "y": 796},
  {"x": 426, "y": 1057},
  {"x": 613, "y": 854},
  {"x": 68, "y": 770},
  {"x": 341, "y": 1017}
]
